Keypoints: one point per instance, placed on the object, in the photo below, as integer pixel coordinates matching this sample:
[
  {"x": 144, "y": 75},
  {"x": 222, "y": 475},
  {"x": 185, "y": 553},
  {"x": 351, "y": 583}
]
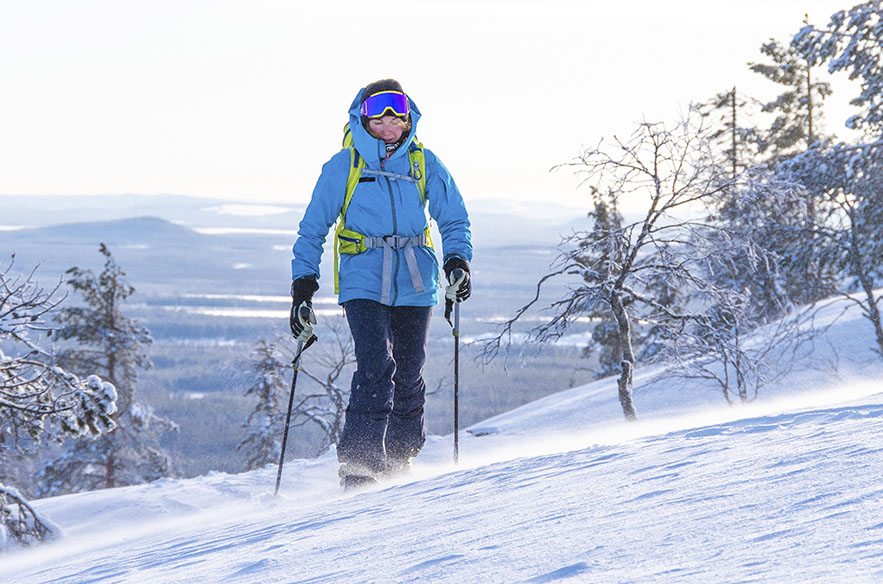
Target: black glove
[
  {"x": 301, "y": 321},
  {"x": 460, "y": 284}
]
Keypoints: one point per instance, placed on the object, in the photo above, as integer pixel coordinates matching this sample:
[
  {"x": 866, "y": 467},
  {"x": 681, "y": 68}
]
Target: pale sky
[{"x": 246, "y": 99}]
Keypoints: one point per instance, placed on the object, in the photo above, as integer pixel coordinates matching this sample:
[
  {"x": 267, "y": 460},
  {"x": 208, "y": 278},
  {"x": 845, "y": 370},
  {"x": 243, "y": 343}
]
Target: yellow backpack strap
[
  {"x": 357, "y": 163},
  {"x": 418, "y": 168},
  {"x": 418, "y": 171}
]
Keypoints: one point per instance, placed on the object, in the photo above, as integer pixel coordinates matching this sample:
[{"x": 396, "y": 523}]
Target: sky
[{"x": 245, "y": 99}]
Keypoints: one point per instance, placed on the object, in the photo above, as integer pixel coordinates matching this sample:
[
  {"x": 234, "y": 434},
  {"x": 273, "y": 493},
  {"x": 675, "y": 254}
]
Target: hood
[{"x": 369, "y": 147}]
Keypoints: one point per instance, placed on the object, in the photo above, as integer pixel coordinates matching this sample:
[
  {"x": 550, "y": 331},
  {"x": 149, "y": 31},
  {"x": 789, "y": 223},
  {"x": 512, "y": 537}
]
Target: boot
[{"x": 354, "y": 476}]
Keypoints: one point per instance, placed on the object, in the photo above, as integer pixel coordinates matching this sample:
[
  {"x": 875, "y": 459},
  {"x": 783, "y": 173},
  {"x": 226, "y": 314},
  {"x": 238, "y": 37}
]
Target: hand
[
  {"x": 302, "y": 317},
  {"x": 302, "y": 320},
  {"x": 459, "y": 279}
]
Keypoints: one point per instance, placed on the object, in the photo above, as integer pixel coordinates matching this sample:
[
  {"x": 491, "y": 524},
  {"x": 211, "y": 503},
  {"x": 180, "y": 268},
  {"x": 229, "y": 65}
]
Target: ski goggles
[{"x": 378, "y": 104}]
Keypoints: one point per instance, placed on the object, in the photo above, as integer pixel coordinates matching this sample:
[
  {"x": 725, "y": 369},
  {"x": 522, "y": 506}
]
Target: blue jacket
[{"x": 378, "y": 208}]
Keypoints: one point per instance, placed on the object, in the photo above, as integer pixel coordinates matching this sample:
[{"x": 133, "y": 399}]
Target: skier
[{"x": 387, "y": 273}]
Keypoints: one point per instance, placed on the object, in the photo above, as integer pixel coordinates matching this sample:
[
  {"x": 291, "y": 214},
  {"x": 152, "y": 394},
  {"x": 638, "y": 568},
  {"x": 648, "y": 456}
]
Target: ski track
[{"x": 786, "y": 497}]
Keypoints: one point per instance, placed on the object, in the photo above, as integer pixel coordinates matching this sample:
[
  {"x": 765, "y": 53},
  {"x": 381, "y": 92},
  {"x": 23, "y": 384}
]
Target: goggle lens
[{"x": 378, "y": 104}]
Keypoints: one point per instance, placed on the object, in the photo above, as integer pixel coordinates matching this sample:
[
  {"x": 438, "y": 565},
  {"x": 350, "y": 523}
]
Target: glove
[
  {"x": 459, "y": 281},
  {"x": 302, "y": 317}
]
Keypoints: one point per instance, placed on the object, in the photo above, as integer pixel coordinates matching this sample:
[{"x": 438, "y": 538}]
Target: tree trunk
[
  {"x": 872, "y": 311},
  {"x": 627, "y": 363},
  {"x": 735, "y": 160}
]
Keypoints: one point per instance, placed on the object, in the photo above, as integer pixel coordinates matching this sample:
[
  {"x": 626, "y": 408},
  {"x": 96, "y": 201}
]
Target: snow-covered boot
[
  {"x": 398, "y": 467},
  {"x": 354, "y": 476}
]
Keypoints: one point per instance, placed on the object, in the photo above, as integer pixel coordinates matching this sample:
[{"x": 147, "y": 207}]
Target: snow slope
[{"x": 784, "y": 490}]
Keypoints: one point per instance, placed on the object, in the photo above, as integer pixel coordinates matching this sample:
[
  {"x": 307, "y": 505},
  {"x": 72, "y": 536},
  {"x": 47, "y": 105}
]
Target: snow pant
[{"x": 384, "y": 417}]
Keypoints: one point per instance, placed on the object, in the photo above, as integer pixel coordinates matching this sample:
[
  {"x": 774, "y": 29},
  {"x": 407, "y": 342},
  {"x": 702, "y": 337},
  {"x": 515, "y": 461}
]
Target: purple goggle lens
[{"x": 378, "y": 104}]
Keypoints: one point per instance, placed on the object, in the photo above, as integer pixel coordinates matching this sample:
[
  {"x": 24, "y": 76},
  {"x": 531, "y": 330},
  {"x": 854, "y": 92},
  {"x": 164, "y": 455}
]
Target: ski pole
[
  {"x": 455, "y": 330},
  {"x": 295, "y": 364}
]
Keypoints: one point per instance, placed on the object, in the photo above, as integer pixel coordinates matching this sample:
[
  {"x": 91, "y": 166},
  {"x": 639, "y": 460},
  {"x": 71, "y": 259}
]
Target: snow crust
[{"x": 786, "y": 489}]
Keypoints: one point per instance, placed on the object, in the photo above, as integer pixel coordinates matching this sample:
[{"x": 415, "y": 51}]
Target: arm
[
  {"x": 321, "y": 213},
  {"x": 446, "y": 206}
]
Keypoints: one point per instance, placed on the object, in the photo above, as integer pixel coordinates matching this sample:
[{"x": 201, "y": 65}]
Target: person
[{"x": 388, "y": 274}]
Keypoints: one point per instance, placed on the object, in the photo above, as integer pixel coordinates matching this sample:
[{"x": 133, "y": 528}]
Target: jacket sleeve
[
  {"x": 321, "y": 213},
  {"x": 446, "y": 206}
]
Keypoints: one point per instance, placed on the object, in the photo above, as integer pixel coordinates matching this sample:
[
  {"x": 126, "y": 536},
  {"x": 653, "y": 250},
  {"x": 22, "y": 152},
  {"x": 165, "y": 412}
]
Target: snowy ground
[{"x": 785, "y": 490}]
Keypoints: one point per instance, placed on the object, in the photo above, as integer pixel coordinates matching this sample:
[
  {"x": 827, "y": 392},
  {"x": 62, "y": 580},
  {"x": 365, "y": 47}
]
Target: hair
[{"x": 384, "y": 85}]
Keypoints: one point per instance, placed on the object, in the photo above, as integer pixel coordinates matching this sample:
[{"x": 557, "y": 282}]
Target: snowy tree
[
  {"x": 852, "y": 42},
  {"x": 263, "y": 441},
  {"x": 39, "y": 401},
  {"x": 798, "y": 110},
  {"x": 320, "y": 399},
  {"x": 731, "y": 134},
  {"x": 606, "y": 341},
  {"x": 711, "y": 343},
  {"x": 631, "y": 271},
  {"x": 847, "y": 182},
  {"x": 20, "y": 525},
  {"x": 779, "y": 264},
  {"x": 325, "y": 407},
  {"x": 114, "y": 346}
]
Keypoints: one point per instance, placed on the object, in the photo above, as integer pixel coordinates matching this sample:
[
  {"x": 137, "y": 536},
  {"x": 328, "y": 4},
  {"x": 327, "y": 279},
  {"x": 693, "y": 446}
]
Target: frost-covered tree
[
  {"x": 636, "y": 271},
  {"x": 847, "y": 183},
  {"x": 798, "y": 109},
  {"x": 846, "y": 180},
  {"x": 320, "y": 399},
  {"x": 108, "y": 342},
  {"x": 852, "y": 42},
  {"x": 778, "y": 263},
  {"x": 731, "y": 135},
  {"x": 39, "y": 401},
  {"x": 323, "y": 403},
  {"x": 606, "y": 342},
  {"x": 738, "y": 335},
  {"x": 263, "y": 441}
]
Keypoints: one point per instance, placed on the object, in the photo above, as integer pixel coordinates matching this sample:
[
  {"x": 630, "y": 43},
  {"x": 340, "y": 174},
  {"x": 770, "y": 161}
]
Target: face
[{"x": 388, "y": 128}]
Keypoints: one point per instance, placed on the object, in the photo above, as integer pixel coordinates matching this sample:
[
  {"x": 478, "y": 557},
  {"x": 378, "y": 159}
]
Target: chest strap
[
  {"x": 390, "y": 175},
  {"x": 393, "y": 242}
]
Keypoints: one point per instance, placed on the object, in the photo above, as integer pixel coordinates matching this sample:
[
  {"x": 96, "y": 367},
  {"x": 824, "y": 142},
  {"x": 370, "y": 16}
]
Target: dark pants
[{"x": 384, "y": 417}]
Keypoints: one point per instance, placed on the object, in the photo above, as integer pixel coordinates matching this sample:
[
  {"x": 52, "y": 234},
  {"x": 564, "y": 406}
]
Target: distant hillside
[
  {"x": 118, "y": 232},
  {"x": 156, "y": 254}
]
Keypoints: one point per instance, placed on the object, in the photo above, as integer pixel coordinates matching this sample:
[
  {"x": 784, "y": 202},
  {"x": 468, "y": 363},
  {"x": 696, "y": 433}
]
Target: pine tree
[
  {"x": 847, "y": 182},
  {"x": 853, "y": 42},
  {"x": 39, "y": 401},
  {"x": 262, "y": 443},
  {"x": 798, "y": 110},
  {"x": 733, "y": 139},
  {"x": 113, "y": 345}
]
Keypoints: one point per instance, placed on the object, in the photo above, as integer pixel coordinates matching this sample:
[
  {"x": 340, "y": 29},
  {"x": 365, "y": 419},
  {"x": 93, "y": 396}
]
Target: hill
[{"x": 783, "y": 490}]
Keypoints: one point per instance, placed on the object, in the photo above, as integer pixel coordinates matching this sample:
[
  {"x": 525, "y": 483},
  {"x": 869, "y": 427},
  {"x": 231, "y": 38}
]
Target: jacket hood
[{"x": 370, "y": 148}]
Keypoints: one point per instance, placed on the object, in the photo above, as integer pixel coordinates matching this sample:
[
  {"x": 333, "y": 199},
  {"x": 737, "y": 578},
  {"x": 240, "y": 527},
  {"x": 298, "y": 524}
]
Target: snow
[{"x": 785, "y": 489}]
